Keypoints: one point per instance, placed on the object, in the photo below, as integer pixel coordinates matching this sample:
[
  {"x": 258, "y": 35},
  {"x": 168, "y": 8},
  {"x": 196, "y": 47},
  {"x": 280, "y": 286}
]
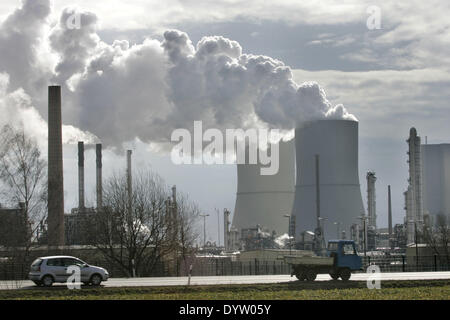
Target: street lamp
[
  {"x": 289, "y": 232},
  {"x": 204, "y": 228}
]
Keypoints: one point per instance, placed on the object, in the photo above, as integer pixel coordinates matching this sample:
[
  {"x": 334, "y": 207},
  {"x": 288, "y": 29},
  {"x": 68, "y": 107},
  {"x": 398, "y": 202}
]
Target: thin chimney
[
  {"x": 80, "y": 175},
  {"x": 55, "y": 169},
  {"x": 226, "y": 228},
  {"x": 389, "y": 212},
  {"x": 129, "y": 181},
  {"x": 99, "y": 176},
  {"x": 317, "y": 190}
]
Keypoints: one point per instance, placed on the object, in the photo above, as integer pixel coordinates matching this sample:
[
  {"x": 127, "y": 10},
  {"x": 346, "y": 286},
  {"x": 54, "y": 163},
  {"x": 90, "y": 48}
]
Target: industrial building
[
  {"x": 327, "y": 186},
  {"x": 14, "y": 227},
  {"x": 436, "y": 179},
  {"x": 264, "y": 199},
  {"x": 413, "y": 194}
]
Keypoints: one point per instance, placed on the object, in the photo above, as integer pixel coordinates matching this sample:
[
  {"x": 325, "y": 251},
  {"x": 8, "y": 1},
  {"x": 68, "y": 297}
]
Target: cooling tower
[
  {"x": 336, "y": 143},
  {"x": 264, "y": 199},
  {"x": 436, "y": 178},
  {"x": 55, "y": 217}
]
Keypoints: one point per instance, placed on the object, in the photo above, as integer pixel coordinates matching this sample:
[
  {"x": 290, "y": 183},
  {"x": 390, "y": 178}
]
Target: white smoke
[
  {"x": 282, "y": 241},
  {"x": 17, "y": 111},
  {"x": 120, "y": 92}
]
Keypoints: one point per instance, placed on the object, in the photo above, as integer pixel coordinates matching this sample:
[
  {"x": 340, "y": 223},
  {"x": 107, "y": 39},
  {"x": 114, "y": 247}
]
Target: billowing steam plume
[{"x": 120, "y": 91}]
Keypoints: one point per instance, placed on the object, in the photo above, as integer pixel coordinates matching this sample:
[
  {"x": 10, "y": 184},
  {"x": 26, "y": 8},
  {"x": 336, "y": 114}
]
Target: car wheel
[
  {"x": 345, "y": 274},
  {"x": 47, "y": 281},
  {"x": 96, "y": 279}
]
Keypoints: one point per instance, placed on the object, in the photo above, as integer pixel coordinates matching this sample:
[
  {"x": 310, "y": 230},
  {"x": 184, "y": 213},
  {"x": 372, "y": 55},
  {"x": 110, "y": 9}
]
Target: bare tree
[
  {"x": 23, "y": 185},
  {"x": 188, "y": 233},
  {"x": 438, "y": 238},
  {"x": 23, "y": 175},
  {"x": 135, "y": 231}
]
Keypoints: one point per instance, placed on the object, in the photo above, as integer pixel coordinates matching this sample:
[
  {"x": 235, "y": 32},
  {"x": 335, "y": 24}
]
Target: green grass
[{"x": 330, "y": 290}]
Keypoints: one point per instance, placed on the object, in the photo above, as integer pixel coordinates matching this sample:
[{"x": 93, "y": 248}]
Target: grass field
[{"x": 330, "y": 290}]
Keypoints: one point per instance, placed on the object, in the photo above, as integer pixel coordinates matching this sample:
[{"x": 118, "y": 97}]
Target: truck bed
[{"x": 309, "y": 260}]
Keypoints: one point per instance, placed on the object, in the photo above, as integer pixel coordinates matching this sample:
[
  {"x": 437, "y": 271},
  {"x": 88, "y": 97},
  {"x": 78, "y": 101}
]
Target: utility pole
[{"x": 204, "y": 228}]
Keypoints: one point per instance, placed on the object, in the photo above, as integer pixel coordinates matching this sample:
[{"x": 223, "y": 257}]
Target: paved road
[{"x": 176, "y": 281}]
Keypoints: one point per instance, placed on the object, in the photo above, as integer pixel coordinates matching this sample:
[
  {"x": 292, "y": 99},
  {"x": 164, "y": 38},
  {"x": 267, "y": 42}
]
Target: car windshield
[{"x": 348, "y": 249}]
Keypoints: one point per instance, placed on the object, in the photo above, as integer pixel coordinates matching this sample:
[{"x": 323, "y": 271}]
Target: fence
[
  {"x": 401, "y": 263},
  {"x": 226, "y": 267},
  {"x": 222, "y": 267}
]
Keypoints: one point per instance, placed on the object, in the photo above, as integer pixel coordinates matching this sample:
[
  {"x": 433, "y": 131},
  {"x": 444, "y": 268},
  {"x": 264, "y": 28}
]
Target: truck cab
[{"x": 344, "y": 254}]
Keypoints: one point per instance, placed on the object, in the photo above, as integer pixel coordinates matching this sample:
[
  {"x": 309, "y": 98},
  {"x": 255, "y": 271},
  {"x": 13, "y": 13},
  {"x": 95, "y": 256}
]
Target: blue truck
[{"x": 340, "y": 260}]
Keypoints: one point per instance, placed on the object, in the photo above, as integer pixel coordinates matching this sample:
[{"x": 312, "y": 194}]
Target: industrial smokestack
[
  {"x": 226, "y": 227},
  {"x": 55, "y": 169},
  {"x": 98, "y": 149},
  {"x": 129, "y": 181},
  {"x": 389, "y": 212},
  {"x": 80, "y": 175},
  {"x": 318, "y": 190}
]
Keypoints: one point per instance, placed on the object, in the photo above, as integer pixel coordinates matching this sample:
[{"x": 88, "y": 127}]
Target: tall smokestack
[
  {"x": 318, "y": 190},
  {"x": 129, "y": 182},
  {"x": 98, "y": 149},
  {"x": 389, "y": 212},
  {"x": 80, "y": 175},
  {"x": 55, "y": 169}
]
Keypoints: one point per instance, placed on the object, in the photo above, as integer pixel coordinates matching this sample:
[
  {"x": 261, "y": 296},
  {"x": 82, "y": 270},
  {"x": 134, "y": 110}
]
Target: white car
[{"x": 47, "y": 270}]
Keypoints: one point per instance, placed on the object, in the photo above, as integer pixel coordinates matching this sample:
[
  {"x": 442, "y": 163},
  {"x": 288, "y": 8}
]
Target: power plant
[
  {"x": 335, "y": 144},
  {"x": 317, "y": 187},
  {"x": 264, "y": 199}
]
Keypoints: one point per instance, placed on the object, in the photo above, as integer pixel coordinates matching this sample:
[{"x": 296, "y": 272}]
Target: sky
[{"x": 135, "y": 70}]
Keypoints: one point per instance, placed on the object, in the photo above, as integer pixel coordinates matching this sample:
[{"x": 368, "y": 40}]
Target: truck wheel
[
  {"x": 345, "y": 274},
  {"x": 300, "y": 274},
  {"x": 334, "y": 275},
  {"x": 311, "y": 275}
]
